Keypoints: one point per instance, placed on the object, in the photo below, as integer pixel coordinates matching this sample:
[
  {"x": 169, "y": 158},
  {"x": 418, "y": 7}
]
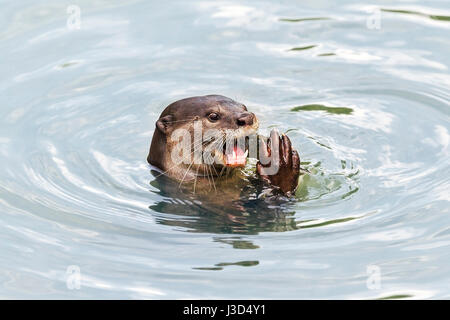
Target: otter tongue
[{"x": 237, "y": 158}]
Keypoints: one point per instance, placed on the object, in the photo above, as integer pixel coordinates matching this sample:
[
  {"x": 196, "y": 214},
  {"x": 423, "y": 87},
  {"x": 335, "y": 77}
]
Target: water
[{"x": 370, "y": 121}]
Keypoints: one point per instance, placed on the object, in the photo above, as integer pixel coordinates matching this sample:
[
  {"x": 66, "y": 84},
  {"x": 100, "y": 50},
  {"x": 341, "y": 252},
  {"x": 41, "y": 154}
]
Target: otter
[{"x": 206, "y": 141}]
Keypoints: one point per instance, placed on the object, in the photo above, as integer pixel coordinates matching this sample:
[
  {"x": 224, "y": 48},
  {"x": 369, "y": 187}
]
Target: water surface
[{"x": 365, "y": 101}]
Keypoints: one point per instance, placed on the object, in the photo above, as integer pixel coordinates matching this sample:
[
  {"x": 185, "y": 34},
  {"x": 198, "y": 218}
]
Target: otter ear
[{"x": 164, "y": 123}]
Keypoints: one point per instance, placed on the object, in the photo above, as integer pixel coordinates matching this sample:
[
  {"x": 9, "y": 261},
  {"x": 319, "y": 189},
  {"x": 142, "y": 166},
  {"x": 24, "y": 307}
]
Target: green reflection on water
[
  {"x": 303, "y": 48},
  {"x": 320, "y": 107},
  {"x": 219, "y": 266},
  {"x": 290, "y": 130},
  {"x": 303, "y": 19},
  {"x": 68, "y": 64},
  {"x": 239, "y": 263},
  {"x": 238, "y": 244},
  {"x": 397, "y": 296},
  {"x": 417, "y": 13}
]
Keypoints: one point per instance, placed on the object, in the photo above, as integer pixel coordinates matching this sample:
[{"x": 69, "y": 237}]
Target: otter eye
[{"x": 213, "y": 116}]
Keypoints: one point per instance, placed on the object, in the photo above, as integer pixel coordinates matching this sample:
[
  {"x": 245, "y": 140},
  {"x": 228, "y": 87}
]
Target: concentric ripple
[{"x": 367, "y": 109}]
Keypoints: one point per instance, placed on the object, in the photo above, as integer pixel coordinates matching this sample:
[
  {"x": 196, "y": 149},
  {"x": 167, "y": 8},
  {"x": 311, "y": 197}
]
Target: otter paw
[{"x": 283, "y": 166}]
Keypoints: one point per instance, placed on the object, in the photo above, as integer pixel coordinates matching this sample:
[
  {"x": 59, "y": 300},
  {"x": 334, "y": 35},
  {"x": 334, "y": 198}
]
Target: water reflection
[
  {"x": 215, "y": 214},
  {"x": 221, "y": 265},
  {"x": 417, "y": 13},
  {"x": 79, "y": 110},
  {"x": 320, "y": 107},
  {"x": 236, "y": 242},
  {"x": 249, "y": 213},
  {"x": 303, "y": 19},
  {"x": 303, "y": 48}
]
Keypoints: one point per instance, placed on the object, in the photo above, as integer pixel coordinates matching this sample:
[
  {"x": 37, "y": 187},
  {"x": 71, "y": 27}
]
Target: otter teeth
[{"x": 237, "y": 158}]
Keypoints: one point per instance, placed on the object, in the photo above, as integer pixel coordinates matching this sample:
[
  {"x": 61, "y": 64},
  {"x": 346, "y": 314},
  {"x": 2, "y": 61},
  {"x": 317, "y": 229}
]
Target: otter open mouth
[
  {"x": 236, "y": 155},
  {"x": 229, "y": 152}
]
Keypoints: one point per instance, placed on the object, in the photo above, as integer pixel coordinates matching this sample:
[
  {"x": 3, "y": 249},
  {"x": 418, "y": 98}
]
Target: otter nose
[{"x": 245, "y": 119}]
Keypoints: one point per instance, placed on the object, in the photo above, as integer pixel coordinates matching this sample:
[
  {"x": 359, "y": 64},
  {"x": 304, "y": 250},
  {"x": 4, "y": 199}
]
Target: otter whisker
[
  {"x": 176, "y": 165},
  {"x": 218, "y": 143},
  {"x": 212, "y": 179},
  {"x": 162, "y": 173},
  {"x": 221, "y": 171},
  {"x": 207, "y": 175},
  {"x": 217, "y": 174},
  {"x": 195, "y": 181},
  {"x": 187, "y": 170}
]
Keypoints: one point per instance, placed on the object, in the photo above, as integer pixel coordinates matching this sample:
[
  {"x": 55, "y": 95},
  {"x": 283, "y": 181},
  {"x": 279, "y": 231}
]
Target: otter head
[{"x": 200, "y": 136}]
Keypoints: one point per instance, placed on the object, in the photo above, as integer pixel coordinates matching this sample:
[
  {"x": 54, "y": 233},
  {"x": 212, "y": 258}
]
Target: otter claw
[{"x": 288, "y": 163}]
